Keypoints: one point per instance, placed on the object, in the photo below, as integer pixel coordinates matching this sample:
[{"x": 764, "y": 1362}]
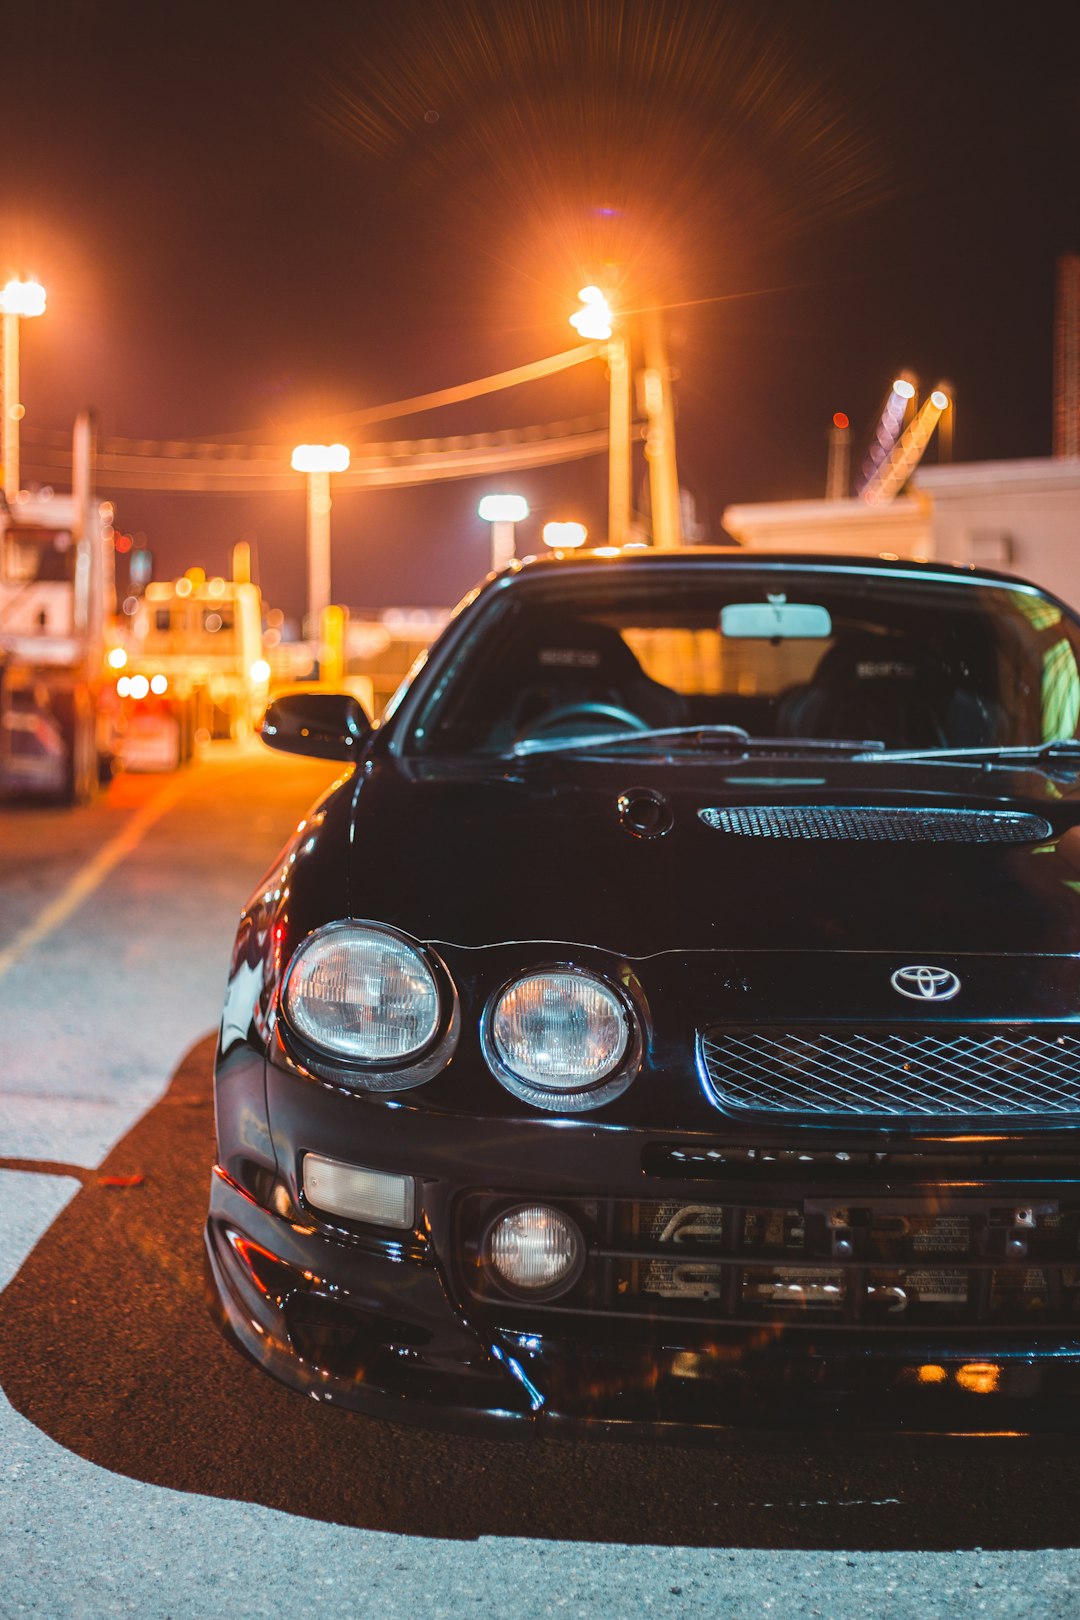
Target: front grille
[
  {"x": 877, "y": 1072},
  {"x": 828, "y": 1263},
  {"x": 863, "y": 824},
  {"x": 875, "y": 1263}
]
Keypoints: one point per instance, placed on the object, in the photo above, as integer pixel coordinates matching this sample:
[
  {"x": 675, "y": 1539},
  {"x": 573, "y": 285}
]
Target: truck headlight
[
  {"x": 365, "y": 993},
  {"x": 562, "y": 1039}
]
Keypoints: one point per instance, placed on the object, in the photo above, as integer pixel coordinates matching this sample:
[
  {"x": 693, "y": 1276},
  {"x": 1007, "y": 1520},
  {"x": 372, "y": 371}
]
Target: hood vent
[{"x": 868, "y": 825}]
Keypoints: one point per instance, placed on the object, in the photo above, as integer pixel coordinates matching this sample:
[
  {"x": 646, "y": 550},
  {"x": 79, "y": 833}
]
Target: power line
[{"x": 389, "y": 465}]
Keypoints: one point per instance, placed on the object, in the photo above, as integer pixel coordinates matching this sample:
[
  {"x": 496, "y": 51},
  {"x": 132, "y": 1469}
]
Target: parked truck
[
  {"x": 57, "y": 603},
  {"x": 193, "y": 669}
]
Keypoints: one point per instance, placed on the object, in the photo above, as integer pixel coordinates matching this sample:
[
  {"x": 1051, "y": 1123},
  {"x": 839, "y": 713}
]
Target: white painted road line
[{"x": 90, "y": 877}]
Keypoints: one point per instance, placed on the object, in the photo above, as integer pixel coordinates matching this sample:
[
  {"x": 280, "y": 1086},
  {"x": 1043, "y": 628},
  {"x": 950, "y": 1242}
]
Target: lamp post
[
  {"x": 18, "y": 300},
  {"x": 565, "y": 536},
  {"x": 944, "y": 400},
  {"x": 502, "y": 512},
  {"x": 595, "y": 320},
  {"x": 318, "y": 461}
]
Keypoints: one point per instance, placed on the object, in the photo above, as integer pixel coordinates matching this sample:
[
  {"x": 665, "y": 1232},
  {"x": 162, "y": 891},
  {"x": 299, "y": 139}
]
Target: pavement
[{"x": 146, "y": 1468}]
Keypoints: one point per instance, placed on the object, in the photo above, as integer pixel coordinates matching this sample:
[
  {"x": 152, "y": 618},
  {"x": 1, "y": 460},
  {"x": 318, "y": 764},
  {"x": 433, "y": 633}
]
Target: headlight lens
[
  {"x": 362, "y": 992},
  {"x": 557, "y": 1035},
  {"x": 536, "y": 1250}
]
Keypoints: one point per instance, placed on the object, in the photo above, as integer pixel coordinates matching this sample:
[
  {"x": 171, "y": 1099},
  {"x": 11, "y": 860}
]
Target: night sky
[{"x": 250, "y": 216}]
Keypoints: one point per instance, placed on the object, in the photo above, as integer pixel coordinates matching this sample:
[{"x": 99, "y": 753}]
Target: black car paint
[{"x": 463, "y": 856}]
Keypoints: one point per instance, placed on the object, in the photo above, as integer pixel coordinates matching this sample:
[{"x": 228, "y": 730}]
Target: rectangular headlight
[{"x": 360, "y": 1195}]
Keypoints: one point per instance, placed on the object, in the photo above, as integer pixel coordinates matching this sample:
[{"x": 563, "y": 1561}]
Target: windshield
[
  {"x": 35, "y": 556},
  {"x": 909, "y": 662},
  {"x": 195, "y": 627}
]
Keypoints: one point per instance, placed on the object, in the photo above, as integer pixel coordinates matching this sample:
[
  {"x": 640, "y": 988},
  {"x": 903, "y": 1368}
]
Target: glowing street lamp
[
  {"x": 565, "y": 536},
  {"x": 595, "y": 321},
  {"x": 18, "y": 301},
  {"x": 318, "y": 461},
  {"x": 502, "y": 512}
]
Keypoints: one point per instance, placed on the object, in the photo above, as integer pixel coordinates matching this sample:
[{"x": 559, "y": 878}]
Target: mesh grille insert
[
  {"x": 862, "y": 824},
  {"x": 931, "y": 1073}
]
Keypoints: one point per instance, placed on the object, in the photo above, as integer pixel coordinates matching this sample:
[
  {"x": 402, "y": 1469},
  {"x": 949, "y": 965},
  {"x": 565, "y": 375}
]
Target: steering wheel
[{"x": 585, "y": 718}]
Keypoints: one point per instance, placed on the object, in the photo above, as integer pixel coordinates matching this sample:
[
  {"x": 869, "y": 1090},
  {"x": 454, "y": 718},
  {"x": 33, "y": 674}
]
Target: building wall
[
  {"x": 846, "y": 527},
  {"x": 1022, "y": 516},
  {"x": 1019, "y": 516}
]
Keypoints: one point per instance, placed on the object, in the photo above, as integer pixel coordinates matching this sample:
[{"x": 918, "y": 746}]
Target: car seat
[
  {"x": 578, "y": 662},
  {"x": 889, "y": 688}
]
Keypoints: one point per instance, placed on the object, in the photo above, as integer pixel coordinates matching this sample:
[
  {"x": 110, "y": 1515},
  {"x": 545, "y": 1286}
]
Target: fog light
[
  {"x": 536, "y": 1250},
  {"x": 360, "y": 1195}
]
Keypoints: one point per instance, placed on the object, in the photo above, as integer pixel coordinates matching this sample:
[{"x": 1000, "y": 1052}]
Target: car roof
[{"x": 564, "y": 563}]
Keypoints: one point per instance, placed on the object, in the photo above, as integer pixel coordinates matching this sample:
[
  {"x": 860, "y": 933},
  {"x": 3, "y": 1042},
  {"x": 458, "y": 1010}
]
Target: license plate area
[
  {"x": 895, "y": 1263},
  {"x": 898, "y": 1231},
  {"x": 888, "y": 1262}
]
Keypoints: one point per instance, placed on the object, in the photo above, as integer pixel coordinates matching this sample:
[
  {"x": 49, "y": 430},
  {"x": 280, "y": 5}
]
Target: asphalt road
[{"x": 145, "y": 1467}]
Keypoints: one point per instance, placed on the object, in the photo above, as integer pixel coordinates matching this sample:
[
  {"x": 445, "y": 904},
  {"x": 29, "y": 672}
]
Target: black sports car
[{"x": 672, "y": 1015}]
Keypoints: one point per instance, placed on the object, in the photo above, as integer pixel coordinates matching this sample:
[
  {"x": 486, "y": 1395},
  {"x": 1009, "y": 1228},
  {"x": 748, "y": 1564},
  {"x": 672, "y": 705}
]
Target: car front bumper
[{"x": 396, "y": 1325}]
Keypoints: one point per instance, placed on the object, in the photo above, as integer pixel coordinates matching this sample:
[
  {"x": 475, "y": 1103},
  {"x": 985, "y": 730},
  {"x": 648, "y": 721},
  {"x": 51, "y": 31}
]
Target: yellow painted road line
[{"x": 92, "y": 875}]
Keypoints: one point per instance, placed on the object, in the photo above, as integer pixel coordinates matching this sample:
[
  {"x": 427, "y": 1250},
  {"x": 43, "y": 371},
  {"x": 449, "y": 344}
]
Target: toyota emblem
[{"x": 923, "y": 983}]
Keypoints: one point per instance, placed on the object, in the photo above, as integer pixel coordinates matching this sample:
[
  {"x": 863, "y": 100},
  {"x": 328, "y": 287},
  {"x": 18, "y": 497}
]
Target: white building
[{"x": 1020, "y": 516}]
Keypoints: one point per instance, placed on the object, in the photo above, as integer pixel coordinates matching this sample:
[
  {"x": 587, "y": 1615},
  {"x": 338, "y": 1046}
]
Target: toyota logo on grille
[{"x": 925, "y": 983}]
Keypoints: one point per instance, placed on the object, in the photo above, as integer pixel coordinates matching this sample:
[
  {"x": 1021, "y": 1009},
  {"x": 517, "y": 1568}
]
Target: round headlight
[
  {"x": 362, "y": 992},
  {"x": 536, "y": 1250},
  {"x": 562, "y": 1039}
]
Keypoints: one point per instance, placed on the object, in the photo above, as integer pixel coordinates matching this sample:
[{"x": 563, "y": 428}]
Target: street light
[
  {"x": 18, "y": 301},
  {"x": 565, "y": 536},
  {"x": 595, "y": 321},
  {"x": 502, "y": 512},
  {"x": 318, "y": 461}
]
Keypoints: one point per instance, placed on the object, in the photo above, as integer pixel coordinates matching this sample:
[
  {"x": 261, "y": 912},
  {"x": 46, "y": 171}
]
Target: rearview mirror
[
  {"x": 775, "y": 620},
  {"x": 323, "y": 725}
]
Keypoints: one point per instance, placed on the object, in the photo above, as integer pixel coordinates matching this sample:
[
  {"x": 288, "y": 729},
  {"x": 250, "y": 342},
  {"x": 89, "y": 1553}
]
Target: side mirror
[{"x": 323, "y": 725}]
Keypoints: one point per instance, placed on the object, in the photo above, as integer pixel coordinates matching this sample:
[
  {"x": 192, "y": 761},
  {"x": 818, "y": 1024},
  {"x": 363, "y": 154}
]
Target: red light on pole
[{"x": 836, "y": 475}]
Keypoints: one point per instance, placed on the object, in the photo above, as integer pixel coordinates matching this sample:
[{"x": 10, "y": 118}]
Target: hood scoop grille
[
  {"x": 879, "y": 1072},
  {"x": 870, "y": 825}
]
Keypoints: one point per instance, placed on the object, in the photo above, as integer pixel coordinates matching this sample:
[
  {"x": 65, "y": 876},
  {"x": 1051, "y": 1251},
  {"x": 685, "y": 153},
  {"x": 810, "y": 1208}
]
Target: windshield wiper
[
  {"x": 718, "y": 739},
  {"x": 1066, "y": 750}
]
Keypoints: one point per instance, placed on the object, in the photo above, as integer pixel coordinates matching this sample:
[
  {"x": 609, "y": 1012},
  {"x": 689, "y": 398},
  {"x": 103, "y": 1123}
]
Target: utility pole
[
  {"x": 596, "y": 321},
  {"x": 660, "y": 439},
  {"x": 837, "y": 474},
  {"x": 619, "y": 473},
  {"x": 318, "y": 461},
  {"x": 18, "y": 300}
]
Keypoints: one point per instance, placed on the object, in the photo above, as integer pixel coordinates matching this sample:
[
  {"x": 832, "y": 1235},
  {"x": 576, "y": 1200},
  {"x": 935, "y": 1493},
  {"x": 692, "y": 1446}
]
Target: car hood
[{"x": 476, "y": 854}]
